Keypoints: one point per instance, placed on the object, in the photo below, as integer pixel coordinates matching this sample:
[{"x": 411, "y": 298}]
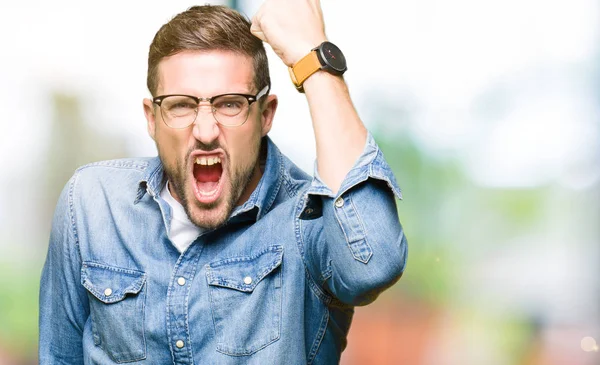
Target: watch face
[{"x": 333, "y": 58}]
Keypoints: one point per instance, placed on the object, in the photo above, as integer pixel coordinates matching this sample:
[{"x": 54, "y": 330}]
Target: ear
[
  {"x": 150, "y": 117},
  {"x": 267, "y": 114}
]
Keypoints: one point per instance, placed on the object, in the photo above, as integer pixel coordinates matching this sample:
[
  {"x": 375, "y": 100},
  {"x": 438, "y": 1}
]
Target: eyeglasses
[{"x": 231, "y": 110}]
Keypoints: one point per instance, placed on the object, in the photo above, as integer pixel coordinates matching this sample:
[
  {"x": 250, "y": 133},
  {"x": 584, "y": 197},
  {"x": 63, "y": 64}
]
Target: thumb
[{"x": 256, "y": 30}]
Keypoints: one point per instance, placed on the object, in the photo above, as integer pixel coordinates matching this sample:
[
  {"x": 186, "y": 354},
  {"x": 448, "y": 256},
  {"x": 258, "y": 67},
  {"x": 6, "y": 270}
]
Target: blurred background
[{"x": 487, "y": 110}]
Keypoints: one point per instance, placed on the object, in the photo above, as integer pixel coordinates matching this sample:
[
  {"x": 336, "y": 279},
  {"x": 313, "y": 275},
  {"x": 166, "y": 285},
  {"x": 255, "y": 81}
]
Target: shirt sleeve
[
  {"x": 360, "y": 248},
  {"x": 63, "y": 301}
]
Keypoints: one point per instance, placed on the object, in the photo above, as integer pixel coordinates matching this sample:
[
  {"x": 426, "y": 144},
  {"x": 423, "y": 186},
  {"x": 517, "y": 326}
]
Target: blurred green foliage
[
  {"x": 19, "y": 287},
  {"x": 429, "y": 188},
  {"x": 450, "y": 222}
]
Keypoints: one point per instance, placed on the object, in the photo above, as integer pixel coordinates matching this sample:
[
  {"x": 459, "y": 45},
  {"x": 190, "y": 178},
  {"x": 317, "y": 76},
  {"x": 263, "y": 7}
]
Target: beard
[{"x": 215, "y": 214}]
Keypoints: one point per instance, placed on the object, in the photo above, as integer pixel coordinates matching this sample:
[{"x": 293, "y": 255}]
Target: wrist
[
  {"x": 325, "y": 57},
  {"x": 323, "y": 80},
  {"x": 301, "y": 51}
]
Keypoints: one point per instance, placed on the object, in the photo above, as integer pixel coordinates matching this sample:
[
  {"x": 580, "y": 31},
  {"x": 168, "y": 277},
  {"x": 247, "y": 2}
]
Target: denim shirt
[{"x": 276, "y": 284}]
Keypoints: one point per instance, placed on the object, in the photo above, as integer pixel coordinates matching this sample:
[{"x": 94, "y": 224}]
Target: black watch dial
[{"x": 332, "y": 58}]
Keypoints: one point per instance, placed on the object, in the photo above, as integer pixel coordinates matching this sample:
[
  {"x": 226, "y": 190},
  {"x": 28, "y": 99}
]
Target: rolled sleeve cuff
[{"x": 370, "y": 164}]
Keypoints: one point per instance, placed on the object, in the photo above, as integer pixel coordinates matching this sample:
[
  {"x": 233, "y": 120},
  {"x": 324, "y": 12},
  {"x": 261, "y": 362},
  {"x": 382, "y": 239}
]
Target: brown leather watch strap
[{"x": 307, "y": 66}]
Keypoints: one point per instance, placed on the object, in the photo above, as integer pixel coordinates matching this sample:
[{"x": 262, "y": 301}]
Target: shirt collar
[
  {"x": 263, "y": 196},
  {"x": 257, "y": 205},
  {"x": 152, "y": 181}
]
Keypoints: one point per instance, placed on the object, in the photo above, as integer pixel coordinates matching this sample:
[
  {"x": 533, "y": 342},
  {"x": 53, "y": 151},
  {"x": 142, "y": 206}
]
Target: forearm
[
  {"x": 293, "y": 28},
  {"x": 339, "y": 133}
]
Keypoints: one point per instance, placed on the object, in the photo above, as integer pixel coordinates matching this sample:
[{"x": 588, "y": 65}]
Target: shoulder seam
[
  {"x": 72, "y": 213},
  {"x": 290, "y": 187},
  {"x": 120, "y": 164}
]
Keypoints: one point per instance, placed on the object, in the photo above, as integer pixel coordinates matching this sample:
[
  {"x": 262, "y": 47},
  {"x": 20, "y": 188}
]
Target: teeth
[
  {"x": 208, "y": 193},
  {"x": 207, "y": 161}
]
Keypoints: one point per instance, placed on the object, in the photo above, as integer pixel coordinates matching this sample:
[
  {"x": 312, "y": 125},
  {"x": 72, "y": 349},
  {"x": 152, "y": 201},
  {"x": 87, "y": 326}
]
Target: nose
[{"x": 206, "y": 129}]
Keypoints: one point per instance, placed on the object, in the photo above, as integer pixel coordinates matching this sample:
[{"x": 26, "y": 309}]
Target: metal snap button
[{"x": 179, "y": 344}]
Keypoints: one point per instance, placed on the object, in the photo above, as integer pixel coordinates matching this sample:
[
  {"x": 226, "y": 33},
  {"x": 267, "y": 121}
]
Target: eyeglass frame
[{"x": 251, "y": 99}]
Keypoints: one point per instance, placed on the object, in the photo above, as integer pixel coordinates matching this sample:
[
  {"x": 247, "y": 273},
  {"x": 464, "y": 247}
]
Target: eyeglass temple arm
[{"x": 262, "y": 93}]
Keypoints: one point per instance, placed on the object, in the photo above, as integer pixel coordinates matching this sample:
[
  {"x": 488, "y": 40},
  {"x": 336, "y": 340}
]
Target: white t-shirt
[{"x": 183, "y": 232}]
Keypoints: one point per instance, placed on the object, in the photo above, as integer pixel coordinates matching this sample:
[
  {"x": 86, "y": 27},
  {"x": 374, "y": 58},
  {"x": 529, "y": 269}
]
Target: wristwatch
[{"x": 327, "y": 57}]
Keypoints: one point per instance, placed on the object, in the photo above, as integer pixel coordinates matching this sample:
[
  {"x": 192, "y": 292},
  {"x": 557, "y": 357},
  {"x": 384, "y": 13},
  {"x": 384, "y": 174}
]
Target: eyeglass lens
[{"x": 180, "y": 111}]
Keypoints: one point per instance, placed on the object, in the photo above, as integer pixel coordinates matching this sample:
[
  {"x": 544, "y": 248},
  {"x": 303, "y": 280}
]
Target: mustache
[{"x": 205, "y": 147}]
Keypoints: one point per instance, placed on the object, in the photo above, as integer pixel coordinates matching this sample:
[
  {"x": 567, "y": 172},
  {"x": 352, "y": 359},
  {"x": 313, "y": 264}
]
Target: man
[{"x": 221, "y": 250}]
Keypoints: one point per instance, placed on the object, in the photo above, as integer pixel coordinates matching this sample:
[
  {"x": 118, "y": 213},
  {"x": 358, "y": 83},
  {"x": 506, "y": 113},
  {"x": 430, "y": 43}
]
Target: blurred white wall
[{"x": 446, "y": 61}]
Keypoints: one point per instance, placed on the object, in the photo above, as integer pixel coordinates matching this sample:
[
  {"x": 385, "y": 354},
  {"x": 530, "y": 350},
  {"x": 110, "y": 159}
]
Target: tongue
[
  {"x": 208, "y": 173},
  {"x": 207, "y": 177}
]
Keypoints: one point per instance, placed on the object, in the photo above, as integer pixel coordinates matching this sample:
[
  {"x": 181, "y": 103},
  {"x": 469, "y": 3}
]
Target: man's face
[{"x": 209, "y": 192}]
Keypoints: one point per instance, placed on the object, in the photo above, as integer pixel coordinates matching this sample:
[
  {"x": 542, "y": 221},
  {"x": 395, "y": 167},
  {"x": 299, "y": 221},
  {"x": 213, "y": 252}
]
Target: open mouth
[{"x": 208, "y": 171}]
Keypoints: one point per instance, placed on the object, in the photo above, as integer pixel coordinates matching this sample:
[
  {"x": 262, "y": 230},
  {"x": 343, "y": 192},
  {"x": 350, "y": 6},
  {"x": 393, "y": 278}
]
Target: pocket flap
[
  {"x": 111, "y": 284},
  {"x": 243, "y": 273}
]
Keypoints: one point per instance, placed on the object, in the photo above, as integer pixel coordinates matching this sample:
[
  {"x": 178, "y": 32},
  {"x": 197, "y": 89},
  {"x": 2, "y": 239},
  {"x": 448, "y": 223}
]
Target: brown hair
[{"x": 207, "y": 27}]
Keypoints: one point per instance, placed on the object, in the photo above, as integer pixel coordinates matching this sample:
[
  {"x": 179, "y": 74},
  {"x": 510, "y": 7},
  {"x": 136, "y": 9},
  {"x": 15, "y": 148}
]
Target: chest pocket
[
  {"x": 245, "y": 300},
  {"x": 117, "y": 300}
]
